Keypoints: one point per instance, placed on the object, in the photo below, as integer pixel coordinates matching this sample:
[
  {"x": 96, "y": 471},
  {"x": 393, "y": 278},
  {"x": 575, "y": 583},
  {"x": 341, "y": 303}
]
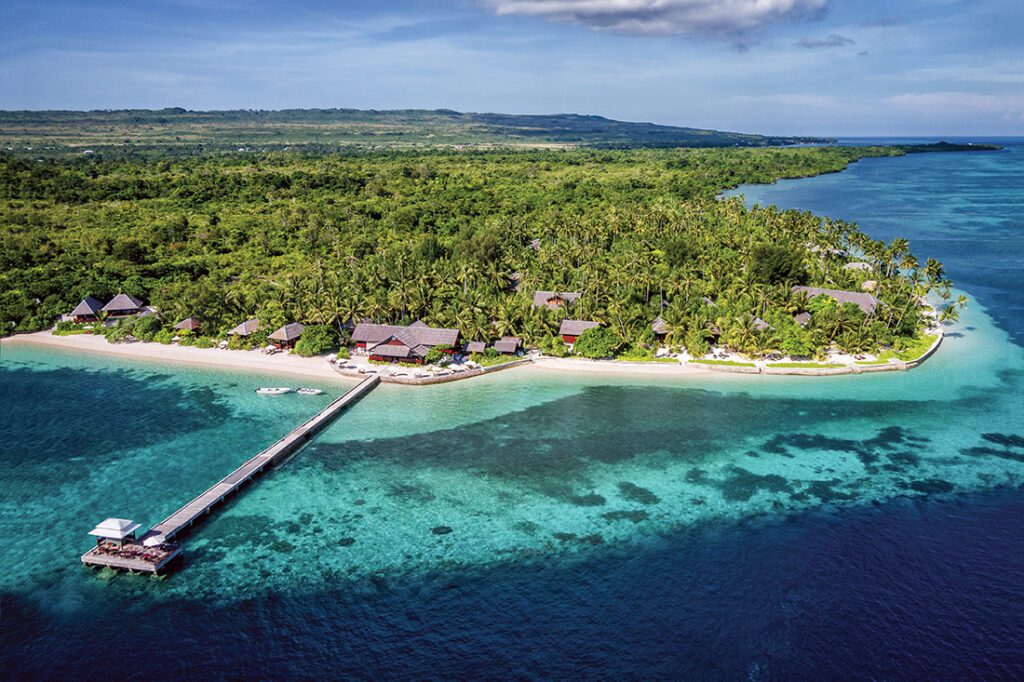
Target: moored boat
[
  {"x": 267, "y": 390},
  {"x": 309, "y": 391}
]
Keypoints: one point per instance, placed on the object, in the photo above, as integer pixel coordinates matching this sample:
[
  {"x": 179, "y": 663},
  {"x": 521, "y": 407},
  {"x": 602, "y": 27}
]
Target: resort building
[
  {"x": 286, "y": 336},
  {"x": 865, "y": 302},
  {"x": 553, "y": 300},
  {"x": 189, "y": 324},
  {"x": 247, "y": 328},
  {"x": 508, "y": 345},
  {"x": 660, "y": 329},
  {"x": 476, "y": 347},
  {"x": 115, "y": 531},
  {"x": 570, "y": 330},
  {"x": 803, "y": 319},
  {"x": 123, "y": 305},
  {"x": 395, "y": 343},
  {"x": 86, "y": 311},
  {"x": 863, "y": 267}
]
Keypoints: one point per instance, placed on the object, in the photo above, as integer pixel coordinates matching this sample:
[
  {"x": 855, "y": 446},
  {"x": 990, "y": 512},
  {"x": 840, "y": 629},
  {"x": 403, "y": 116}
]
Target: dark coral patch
[
  {"x": 743, "y": 485},
  {"x": 931, "y": 485},
  {"x": 1009, "y": 440},
  {"x": 634, "y": 493},
  {"x": 624, "y": 515},
  {"x": 413, "y": 493},
  {"x": 826, "y": 492},
  {"x": 441, "y": 530},
  {"x": 993, "y": 452},
  {"x": 591, "y": 500},
  {"x": 346, "y": 542}
]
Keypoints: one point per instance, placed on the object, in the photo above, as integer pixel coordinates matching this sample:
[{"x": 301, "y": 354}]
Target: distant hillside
[{"x": 324, "y": 129}]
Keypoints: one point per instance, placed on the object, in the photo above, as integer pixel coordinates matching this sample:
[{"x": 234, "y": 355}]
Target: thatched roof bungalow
[
  {"x": 552, "y": 300},
  {"x": 660, "y": 328},
  {"x": 401, "y": 346},
  {"x": 476, "y": 347},
  {"x": 286, "y": 336},
  {"x": 508, "y": 345},
  {"x": 86, "y": 311},
  {"x": 247, "y": 328},
  {"x": 123, "y": 305},
  {"x": 803, "y": 319},
  {"x": 367, "y": 334},
  {"x": 570, "y": 330},
  {"x": 189, "y": 324},
  {"x": 865, "y": 302}
]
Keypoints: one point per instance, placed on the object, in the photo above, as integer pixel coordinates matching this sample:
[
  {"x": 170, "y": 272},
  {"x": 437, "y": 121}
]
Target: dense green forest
[
  {"x": 444, "y": 236},
  {"x": 178, "y": 131}
]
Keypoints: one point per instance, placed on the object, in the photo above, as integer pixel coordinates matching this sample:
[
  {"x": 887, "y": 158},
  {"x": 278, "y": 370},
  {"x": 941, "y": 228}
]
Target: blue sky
[{"x": 928, "y": 67}]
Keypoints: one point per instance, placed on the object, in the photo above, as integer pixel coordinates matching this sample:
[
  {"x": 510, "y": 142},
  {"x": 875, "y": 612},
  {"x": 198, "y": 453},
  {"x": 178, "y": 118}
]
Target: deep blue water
[{"x": 868, "y": 527}]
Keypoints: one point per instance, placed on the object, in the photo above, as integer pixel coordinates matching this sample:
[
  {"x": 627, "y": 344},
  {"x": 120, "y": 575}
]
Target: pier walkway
[{"x": 137, "y": 555}]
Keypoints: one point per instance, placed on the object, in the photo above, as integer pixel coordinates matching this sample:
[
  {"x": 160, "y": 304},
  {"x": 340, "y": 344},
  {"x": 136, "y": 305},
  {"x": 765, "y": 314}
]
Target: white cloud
[
  {"x": 715, "y": 18},
  {"x": 832, "y": 40},
  {"x": 1006, "y": 105}
]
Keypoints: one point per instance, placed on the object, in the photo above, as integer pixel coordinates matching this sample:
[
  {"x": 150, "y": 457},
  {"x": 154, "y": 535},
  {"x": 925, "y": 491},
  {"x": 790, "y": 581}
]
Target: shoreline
[
  {"x": 319, "y": 368},
  {"x": 284, "y": 364}
]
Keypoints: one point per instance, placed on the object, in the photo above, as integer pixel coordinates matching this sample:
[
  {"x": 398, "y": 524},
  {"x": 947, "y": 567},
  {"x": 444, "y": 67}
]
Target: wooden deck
[{"x": 190, "y": 513}]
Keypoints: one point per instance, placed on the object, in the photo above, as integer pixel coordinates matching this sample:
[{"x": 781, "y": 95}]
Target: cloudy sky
[{"x": 836, "y": 67}]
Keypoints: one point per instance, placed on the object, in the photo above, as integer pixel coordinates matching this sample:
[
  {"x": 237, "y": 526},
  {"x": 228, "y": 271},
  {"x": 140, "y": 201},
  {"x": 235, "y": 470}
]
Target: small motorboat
[
  {"x": 309, "y": 391},
  {"x": 266, "y": 390}
]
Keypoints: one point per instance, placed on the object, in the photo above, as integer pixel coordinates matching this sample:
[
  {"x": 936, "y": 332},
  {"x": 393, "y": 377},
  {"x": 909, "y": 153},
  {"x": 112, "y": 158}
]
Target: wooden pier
[{"x": 165, "y": 551}]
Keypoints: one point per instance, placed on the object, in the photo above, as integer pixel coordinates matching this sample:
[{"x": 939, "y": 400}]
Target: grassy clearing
[
  {"x": 910, "y": 352},
  {"x": 807, "y": 365},
  {"x": 726, "y": 363}
]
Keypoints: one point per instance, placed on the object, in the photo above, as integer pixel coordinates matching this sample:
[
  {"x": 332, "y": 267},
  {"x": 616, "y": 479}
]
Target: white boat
[
  {"x": 266, "y": 390},
  {"x": 309, "y": 391}
]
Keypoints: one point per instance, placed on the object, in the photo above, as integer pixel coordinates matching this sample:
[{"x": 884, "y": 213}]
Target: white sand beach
[
  {"x": 281, "y": 363},
  {"x": 619, "y": 367}
]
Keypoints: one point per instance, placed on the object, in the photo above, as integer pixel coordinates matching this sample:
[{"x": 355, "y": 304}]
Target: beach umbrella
[{"x": 153, "y": 541}]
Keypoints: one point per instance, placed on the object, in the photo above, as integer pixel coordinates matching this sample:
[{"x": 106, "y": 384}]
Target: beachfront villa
[
  {"x": 570, "y": 330},
  {"x": 189, "y": 324},
  {"x": 553, "y": 300},
  {"x": 864, "y": 301},
  {"x": 247, "y": 328},
  {"x": 508, "y": 345},
  {"x": 395, "y": 343},
  {"x": 660, "y": 329},
  {"x": 123, "y": 305},
  {"x": 86, "y": 311},
  {"x": 286, "y": 336}
]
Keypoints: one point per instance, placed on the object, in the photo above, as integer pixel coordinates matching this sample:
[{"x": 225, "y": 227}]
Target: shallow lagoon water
[{"x": 724, "y": 526}]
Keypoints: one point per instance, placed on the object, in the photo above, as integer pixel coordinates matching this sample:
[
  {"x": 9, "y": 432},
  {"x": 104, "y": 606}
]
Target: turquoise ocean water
[{"x": 598, "y": 525}]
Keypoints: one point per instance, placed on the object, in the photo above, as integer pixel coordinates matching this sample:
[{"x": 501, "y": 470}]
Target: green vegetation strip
[
  {"x": 806, "y": 365},
  {"x": 727, "y": 363}
]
